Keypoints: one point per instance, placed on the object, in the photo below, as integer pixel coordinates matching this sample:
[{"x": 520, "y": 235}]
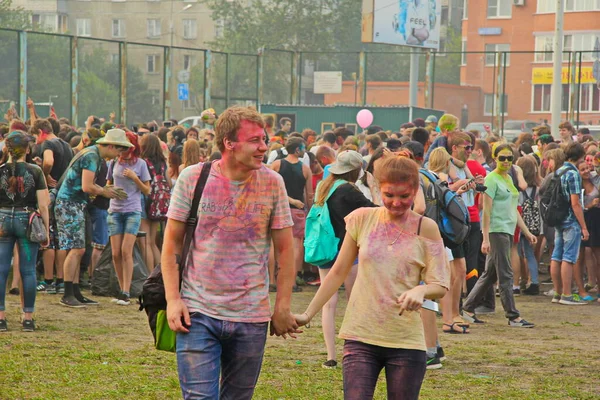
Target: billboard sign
[
  {"x": 414, "y": 23},
  {"x": 327, "y": 82}
]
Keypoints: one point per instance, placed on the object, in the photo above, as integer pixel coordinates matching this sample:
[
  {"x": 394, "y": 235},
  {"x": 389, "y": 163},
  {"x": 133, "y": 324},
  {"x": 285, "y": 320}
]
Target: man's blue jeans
[
  {"x": 232, "y": 350},
  {"x": 526, "y": 250}
]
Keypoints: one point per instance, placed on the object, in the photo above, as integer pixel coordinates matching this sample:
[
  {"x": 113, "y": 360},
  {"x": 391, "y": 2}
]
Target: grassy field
[{"x": 106, "y": 352}]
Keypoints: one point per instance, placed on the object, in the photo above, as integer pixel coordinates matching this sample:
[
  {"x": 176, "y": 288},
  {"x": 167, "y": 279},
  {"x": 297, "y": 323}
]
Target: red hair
[{"x": 134, "y": 152}]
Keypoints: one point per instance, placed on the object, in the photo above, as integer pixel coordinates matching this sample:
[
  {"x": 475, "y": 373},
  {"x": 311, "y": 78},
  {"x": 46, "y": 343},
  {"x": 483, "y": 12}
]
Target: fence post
[
  {"x": 433, "y": 80},
  {"x": 207, "y": 78},
  {"x": 504, "y": 97},
  {"x": 167, "y": 84},
  {"x": 123, "y": 81},
  {"x": 300, "y": 63},
  {"x": 572, "y": 80},
  {"x": 74, "y": 81},
  {"x": 428, "y": 72},
  {"x": 226, "y": 80},
  {"x": 496, "y": 105},
  {"x": 295, "y": 82},
  {"x": 259, "y": 78},
  {"x": 362, "y": 75},
  {"x": 579, "y": 89},
  {"x": 23, "y": 75}
]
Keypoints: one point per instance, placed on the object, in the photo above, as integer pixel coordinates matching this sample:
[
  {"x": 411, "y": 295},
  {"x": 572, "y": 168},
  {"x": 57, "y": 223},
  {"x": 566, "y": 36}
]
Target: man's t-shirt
[
  {"x": 71, "y": 189},
  {"x": 571, "y": 184},
  {"x": 30, "y": 179},
  {"x": 506, "y": 198},
  {"x": 476, "y": 169},
  {"x": 62, "y": 153},
  {"x": 440, "y": 141},
  {"x": 226, "y": 275},
  {"x": 133, "y": 202}
]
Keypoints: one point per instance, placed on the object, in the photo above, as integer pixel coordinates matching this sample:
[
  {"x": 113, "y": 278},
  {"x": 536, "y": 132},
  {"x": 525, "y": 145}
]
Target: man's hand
[
  {"x": 296, "y": 203},
  {"x": 112, "y": 192},
  {"x": 112, "y": 116},
  {"x": 29, "y": 103},
  {"x": 51, "y": 181},
  {"x": 178, "y": 316},
  {"x": 283, "y": 323},
  {"x": 585, "y": 235},
  {"x": 485, "y": 247}
]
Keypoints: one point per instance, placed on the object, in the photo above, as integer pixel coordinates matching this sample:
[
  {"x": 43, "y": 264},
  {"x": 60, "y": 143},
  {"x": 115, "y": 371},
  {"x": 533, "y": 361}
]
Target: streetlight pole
[
  {"x": 172, "y": 35},
  {"x": 556, "y": 103}
]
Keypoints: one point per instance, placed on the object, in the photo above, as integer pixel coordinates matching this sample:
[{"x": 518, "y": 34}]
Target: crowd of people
[{"x": 109, "y": 183}]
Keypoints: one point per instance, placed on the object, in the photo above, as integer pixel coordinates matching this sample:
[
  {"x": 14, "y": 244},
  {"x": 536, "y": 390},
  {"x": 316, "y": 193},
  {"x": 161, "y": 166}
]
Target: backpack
[
  {"x": 320, "y": 243},
  {"x": 280, "y": 154},
  {"x": 554, "y": 205},
  {"x": 157, "y": 204},
  {"x": 531, "y": 212},
  {"x": 446, "y": 208}
]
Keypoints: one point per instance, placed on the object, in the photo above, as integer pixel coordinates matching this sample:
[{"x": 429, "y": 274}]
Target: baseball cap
[
  {"x": 345, "y": 162},
  {"x": 431, "y": 118}
]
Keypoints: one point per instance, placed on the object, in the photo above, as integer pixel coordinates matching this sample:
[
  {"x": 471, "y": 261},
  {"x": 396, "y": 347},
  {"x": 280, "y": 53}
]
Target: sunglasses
[
  {"x": 468, "y": 147},
  {"x": 505, "y": 158}
]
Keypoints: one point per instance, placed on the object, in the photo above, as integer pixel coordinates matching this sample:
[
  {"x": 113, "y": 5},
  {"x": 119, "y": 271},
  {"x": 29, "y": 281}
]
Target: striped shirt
[
  {"x": 571, "y": 184},
  {"x": 226, "y": 276}
]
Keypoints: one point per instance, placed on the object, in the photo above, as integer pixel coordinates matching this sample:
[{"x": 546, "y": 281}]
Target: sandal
[
  {"x": 460, "y": 322},
  {"x": 471, "y": 317},
  {"x": 452, "y": 330}
]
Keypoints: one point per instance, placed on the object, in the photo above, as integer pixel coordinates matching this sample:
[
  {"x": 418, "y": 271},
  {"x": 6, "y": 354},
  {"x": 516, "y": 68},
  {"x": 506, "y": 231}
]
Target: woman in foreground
[{"x": 398, "y": 249}]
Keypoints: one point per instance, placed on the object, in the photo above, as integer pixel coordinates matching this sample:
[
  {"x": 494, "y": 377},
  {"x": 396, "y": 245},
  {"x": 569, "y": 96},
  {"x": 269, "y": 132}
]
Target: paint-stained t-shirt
[
  {"x": 71, "y": 188},
  {"x": 226, "y": 275},
  {"x": 385, "y": 271}
]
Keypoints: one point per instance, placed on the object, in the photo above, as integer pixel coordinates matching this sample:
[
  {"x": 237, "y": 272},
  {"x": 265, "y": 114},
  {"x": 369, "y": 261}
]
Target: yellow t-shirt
[{"x": 385, "y": 271}]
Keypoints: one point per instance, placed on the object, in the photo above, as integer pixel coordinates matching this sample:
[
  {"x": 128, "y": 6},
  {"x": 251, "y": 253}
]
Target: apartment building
[{"x": 527, "y": 26}]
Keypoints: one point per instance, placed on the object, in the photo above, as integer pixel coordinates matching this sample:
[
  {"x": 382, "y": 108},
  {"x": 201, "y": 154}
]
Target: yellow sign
[{"x": 543, "y": 76}]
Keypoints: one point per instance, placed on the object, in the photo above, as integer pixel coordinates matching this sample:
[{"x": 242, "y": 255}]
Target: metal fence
[{"x": 140, "y": 82}]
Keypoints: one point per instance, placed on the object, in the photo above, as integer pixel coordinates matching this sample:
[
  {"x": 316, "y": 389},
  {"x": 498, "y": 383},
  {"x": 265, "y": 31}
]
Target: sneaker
[
  {"x": 434, "y": 362},
  {"x": 14, "y": 291},
  {"x": 440, "y": 353},
  {"x": 60, "y": 288},
  {"x": 51, "y": 288},
  {"x": 556, "y": 298},
  {"x": 516, "y": 292},
  {"x": 88, "y": 302},
  {"x": 520, "y": 324},
  {"x": 316, "y": 282},
  {"x": 123, "y": 300},
  {"x": 471, "y": 317},
  {"x": 587, "y": 298},
  {"x": 71, "y": 301},
  {"x": 28, "y": 325},
  {"x": 42, "y": 286},
  {"x": 484, "y": 310},
  {"x": 532, "y": 290},
  {"x": 330, "y": 364},
  {"x": 296, "y": 289},
  {"x": 550, "y": 293},
  {"x": 3, "y": 325},
  {"x": 572, "y": 300}
]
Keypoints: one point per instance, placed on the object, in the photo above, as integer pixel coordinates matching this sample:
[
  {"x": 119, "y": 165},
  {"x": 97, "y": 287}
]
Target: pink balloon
[{"x": 364, "y": 118}]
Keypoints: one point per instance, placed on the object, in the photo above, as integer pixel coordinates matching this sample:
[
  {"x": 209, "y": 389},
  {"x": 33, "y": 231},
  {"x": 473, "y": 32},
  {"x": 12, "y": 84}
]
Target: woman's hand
[
  {"x": 485, "y": 247},
  {"x": 302, "y": 319},
  {"x": 412, "y": 300},
  {"x": 127, "y": 173}
]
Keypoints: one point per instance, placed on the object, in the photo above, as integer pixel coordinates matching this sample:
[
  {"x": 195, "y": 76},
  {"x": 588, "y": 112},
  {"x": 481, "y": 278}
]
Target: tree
[{"x": 14, "y": 17}]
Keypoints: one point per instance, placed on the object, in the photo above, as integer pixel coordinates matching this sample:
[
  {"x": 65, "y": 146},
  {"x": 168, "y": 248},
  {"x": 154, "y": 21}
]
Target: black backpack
[
  {"x": 554, "y": 205},
  {"x": 531, "y": 212},
  {"x": 152, "y": 299}
]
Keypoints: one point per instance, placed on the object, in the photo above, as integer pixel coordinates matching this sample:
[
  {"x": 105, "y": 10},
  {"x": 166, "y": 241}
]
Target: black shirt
[
  {"x": 342, "y": 202},
  {"x": 30, "y": 178},
  {"x": 294, "y": 179},
  {"x": 62, "y": 156},
  {"x": 101, "y": 202}
]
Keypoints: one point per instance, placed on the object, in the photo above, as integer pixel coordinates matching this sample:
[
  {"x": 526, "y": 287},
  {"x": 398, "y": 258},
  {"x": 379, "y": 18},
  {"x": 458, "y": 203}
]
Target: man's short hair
[
  {"x": 374, "y": 141},
  {"x": 583, "y": 131},
  {"x": 343, "y": 132},
  {"x": 394, "y": 144},
  {"x": 541, "y": 130},
  {"x": 420, "y": 135},
  {"x": 41, "y": 125},
  {"x": 269, "y": 121},
  {"x": 229, "y": 123},
  {"x": 306, "y": 133},
  {"x": 329, "y": 137},
  {"x": 566, "y": 125},
  {"x": 457, "y": 139},
  {"x": 284, "y": 120},
  {"x": 383, "y": 135},
  {"x": 574, "y": 151},
  {"x": 545, "y": 139},
  {"x": 55, "y": 125},
  {"x": 294, "y": 144},
  {"x": 323, "y": 152},
  {"x": 484, "y": 146},
  {"x": 374, "y": 129}
]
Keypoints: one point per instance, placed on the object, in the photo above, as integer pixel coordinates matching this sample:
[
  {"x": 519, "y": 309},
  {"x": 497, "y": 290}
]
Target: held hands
[
  {"x": 302, "y": 319},
  {"x": 585, "y": 235},
  {"x": 178, "y": 316},
  {"x": 283, "y": 323},
  {"x": 411, "y": 300}
]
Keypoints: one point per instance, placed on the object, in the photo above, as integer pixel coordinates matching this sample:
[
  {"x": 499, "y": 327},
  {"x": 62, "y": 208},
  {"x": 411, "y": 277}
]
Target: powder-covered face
[
  {"x": 250, "y": 147},
  {"x": 503, "y": 163},
  {"x": 397, "y": 198}
]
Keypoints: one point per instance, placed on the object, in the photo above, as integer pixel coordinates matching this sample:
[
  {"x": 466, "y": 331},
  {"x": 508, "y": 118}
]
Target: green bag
[{"x": 165, "y": 337}]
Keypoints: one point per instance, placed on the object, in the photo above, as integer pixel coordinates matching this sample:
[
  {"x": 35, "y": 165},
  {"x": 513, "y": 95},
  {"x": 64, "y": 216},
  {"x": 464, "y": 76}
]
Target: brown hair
[
  {"x": 525, "y": 138},
  {"x": 374, "y": 140},
  {"x": 566, "y": 125},
  {"x": 530, "y": 169},
  {"x": 556, "y": 155},
  {"x": 397, "y": 170},
  {"x": 41, "y": 125},
  {"x": 230, "y": 121},
  {"x": 191, "y": 153},
  {"x": 457, "y": 138},
  {"x": 326, "y": 185},
  {"x": 151, "y": 151}
]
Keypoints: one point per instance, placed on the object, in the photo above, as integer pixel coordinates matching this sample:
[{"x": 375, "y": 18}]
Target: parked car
[
  {"x": 484, "y": 128},
  {"x": 512, "y": 129},
  {"x": 191, "y": 121}
]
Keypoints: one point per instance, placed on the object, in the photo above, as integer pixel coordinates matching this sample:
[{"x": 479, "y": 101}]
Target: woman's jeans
[
  {"x": 13, "y": 229},
  {"x": 404, "y": 371},
  {"x": 232, "y": 350},
  {"x": 527, "y": 252}
]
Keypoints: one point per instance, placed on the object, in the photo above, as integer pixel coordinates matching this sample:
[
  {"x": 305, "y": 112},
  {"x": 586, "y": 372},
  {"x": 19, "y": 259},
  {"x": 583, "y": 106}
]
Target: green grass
[{"x": 106, "y": 353}]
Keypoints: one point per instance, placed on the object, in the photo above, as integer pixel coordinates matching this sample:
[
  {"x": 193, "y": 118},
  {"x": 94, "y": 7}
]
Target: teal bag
[{"x": 320, "y": 243}]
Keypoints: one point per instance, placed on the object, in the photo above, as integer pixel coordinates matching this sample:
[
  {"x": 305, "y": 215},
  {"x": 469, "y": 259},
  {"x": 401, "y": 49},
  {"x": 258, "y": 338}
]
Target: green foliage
[{"x": 14, "y": 17}]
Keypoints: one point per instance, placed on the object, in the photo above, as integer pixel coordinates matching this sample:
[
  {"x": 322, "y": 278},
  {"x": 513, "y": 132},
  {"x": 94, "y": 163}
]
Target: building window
[
  {"x": 583, "y": 42},
  {"x": 549, "y": 6},
  {"x": 489, "y": 106},
  {"x": 153, "y": 27},
  {"x": 466, "y": 9},
  {"x": 152, "y": 63},
  {"x": 190, "y": 29},
  {"x": 84, "y": 27},
  {"x": 542, "y": 98},
  {"x": 63, "y": 23},
  {"x": 219, "y": 28},
  {"x": 490, "y": 58},
  {"x": 463, "y": 49},
  {"x": 118, "y": 28},
  {"x": 499, "y": 9},
  {"x": 187, "y": 62}
]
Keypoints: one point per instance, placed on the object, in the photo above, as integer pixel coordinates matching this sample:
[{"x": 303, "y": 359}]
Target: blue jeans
[
  {"x": 567, "y": 240},
  {"x": 99, "y": 219},
  {"x": 233, "y": 350},
  {"x": 527, "y": 252},
  {"x": 120, "y": 223},
  {"x": 404, "y": 371},
  {"x": 13, "y": 229}
]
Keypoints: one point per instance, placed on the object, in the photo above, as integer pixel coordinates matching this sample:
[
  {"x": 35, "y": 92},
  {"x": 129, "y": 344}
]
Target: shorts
[
  {"x": 460, "y": 251},
  {"x": 99, "y": 219},
  {"x": 70, "y": 224},
  {"x": 567, "y": 241},
  {"x": 120, "y": 223},
  {"x": 299, "y": 219}
]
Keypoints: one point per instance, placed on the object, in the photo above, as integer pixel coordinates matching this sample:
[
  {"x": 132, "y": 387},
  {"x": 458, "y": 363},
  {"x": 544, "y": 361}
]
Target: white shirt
[{"x": 273, "y": 156}]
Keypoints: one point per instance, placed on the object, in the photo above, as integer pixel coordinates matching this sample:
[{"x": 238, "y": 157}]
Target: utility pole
[{"x": 557, "y": 68}]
